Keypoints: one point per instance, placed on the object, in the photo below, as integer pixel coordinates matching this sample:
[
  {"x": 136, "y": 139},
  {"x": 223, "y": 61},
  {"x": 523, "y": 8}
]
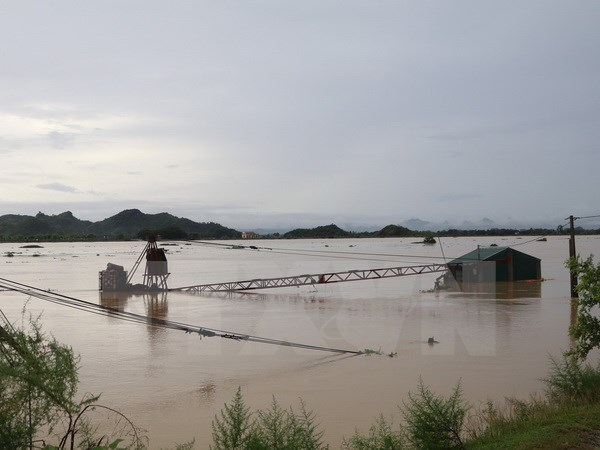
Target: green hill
[
  {"x": 41, "y": 224},
  {"x": 393, "y": 231},
  {"x": 131, "y": 223},
  {"x": 322, "y": 232}
]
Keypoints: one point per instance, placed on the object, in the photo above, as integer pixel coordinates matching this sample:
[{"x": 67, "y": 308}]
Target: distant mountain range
[{"x": 132, "y": 224}]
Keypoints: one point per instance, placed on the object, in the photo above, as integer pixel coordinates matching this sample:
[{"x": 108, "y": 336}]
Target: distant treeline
[
  {"x": 126, "y": 225},
  {"x": 333, "y": 231},
  {"x": 134, "y": 224}
]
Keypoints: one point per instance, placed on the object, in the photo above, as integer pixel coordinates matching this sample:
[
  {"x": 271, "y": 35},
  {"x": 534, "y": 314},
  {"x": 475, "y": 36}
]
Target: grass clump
[
  {"x": 237, "y": 428},
  {"x": 568, "y": 416},
  {"x": 570, "y": 380},
  {"x": 541, "y": 425},
  {"x": 370, "y": 351},
  {"x": 381, "y": 436},
  {"x": 433, "y": 421}
]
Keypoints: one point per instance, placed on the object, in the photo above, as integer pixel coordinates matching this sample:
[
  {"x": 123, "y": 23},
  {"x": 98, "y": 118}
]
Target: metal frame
[{"x": 307, "y": 280}]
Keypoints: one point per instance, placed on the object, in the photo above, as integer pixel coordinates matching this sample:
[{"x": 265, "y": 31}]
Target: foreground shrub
[
  {"x": 38, "y": 386},
  {"x": 586, "y": 329},
  {"x": 272, "y": 429},
  {"x": 232, "y": 430},
  {"x": 570, "y": 380},
  {"x": 381, "y": 437},
  {"x": 435, "y": 422}
]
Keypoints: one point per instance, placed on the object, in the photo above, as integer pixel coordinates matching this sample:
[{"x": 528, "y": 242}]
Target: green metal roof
[
  {"x": 488, "y": 254},
  {"x": 479, "y": 254}
]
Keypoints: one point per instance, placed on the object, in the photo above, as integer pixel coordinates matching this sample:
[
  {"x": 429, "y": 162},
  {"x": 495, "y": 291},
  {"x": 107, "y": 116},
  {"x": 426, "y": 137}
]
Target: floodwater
[{"x": 172, "y": 383}]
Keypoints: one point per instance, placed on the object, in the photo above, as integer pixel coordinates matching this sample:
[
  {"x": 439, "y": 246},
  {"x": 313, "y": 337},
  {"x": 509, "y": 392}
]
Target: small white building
[{"x": 249, "y": 235}]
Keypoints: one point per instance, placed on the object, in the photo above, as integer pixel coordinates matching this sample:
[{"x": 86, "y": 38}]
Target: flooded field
[{"x": 172, "y": 383}]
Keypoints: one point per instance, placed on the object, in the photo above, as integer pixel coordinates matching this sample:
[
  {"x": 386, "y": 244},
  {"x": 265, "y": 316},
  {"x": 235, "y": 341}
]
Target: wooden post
[{"x": 572, "y": 254}]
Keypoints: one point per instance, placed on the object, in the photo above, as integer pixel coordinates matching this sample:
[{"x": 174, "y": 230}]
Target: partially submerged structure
[
  {"x": 492, "y": 264},
  {"x": 115, "y": 278}
]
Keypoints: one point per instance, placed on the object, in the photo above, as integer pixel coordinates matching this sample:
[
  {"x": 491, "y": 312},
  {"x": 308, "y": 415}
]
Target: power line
[
  {"x": 333, "y": 256},
  {"x": 324, "y": 253},
  {"x": 94, "y": 308},
  {"x": 587, "y": 217},
  {"x": 527, "y": 242},
  {"x": 332, "y": 253}
]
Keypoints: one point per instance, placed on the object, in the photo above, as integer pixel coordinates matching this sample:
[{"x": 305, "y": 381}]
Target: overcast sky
[{"x": 275, "y": 113}]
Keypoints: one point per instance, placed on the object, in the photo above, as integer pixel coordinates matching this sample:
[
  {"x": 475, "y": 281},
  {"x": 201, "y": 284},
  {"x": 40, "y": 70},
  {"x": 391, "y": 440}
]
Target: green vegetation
[
  {"x": 435, "y": 422},
  {"x": 393, "y": 231},
  {"x": 569, "y": 381},
  {"x": 39, "y": 409},
  {"x": 323, "y": 232},
  {"x": 429, "y": 240},
  {"x": 128, "y": 224},
  {"x": 234, "y": 428},
  {"x": 586, "y": 330},
  {"x": 38, "y": 385},
  {"x": 171, "y": 232},
  {"x": 134, "y": 224},
  {"x": 273, "y": 429},
  {"x": 568, "y": 416},
  {"x": 333, "y": 231},
  {"x": 381, "y": 436}
]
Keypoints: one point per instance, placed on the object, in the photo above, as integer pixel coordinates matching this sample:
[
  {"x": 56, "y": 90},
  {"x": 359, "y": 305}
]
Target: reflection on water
[
  {"x": 254, "y": 295},
  {"x": 502, "y": 290},
  {"x": 155, "y": 302},
  {"x": 115, "y": 300}
]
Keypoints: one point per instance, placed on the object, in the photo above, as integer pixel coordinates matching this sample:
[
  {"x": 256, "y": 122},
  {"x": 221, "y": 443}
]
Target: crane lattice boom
[{"x": 307, "y": 280}]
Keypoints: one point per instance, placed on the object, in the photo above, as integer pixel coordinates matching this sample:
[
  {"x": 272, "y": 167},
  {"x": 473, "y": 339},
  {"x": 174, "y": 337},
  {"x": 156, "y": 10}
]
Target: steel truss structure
[{"x": 307, "y": 280}]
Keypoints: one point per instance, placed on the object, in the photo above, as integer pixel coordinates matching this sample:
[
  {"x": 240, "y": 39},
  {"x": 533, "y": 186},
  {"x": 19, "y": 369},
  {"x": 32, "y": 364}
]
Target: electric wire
[
  {"x": 527, "y": 242},
  {"x": 559, "y": 227},
  {"x": 83, "y": 305},
  {"x": 587, "y": 217},
  {"x": 331, "y": 253},
  {"x": 442, "y": 249},
  {"x": 345, "y": 257},
  {"x": 324, "y": 253}
]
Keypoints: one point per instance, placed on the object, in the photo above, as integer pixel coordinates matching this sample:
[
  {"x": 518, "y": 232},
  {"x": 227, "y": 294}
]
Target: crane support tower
[
  {"x": 157, "y": 270},
  {"x": 115, "y": 278}
]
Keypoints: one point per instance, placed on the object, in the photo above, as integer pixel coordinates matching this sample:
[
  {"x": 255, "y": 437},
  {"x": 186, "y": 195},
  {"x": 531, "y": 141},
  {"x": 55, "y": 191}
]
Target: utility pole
[{"x": 572, "y": 254}]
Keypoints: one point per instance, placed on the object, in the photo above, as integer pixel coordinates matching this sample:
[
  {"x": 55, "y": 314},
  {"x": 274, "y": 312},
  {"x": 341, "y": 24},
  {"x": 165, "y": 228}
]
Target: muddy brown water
[{"x": 172, "y": 384}]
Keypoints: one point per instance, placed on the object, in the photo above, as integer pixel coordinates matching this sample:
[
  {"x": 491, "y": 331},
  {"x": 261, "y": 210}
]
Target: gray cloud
[
  {"x": 60, "y": 140},
  {"x": 306, "y": 109},
  {"x": 458, "y": 197},
  {"x": 58, "y": 187}
]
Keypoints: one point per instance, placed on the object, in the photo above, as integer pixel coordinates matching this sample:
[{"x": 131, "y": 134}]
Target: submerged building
[{"x": 491, "y": 264}]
